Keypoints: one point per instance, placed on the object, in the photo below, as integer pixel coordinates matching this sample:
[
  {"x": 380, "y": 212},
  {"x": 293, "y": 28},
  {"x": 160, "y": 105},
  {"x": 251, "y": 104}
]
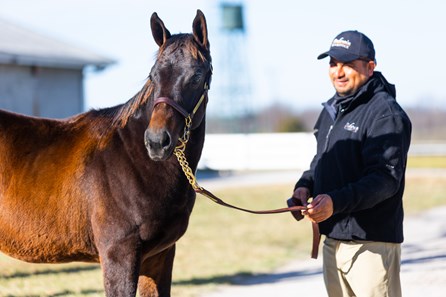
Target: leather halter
[
  {"x": 173, "y": 104},
  {"x": 187, "y": 115},
  {"x": 181, "y": 109}
]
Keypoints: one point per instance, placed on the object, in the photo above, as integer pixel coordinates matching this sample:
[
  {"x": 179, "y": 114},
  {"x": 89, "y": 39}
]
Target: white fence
[
  {"x": 274, "y": 151},
  {"x": 427, "y": 149},
  {"x": 262, "y": 151}
]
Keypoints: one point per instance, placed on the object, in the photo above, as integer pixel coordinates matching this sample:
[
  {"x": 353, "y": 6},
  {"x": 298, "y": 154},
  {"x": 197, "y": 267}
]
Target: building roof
[{"x": 21, "y": 46}]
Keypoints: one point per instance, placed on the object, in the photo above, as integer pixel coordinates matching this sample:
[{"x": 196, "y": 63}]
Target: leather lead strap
[
  {"x": 315, "y": 227},
  {"x": 316, "y": 240},
  {"x": 217, "y": 200}
]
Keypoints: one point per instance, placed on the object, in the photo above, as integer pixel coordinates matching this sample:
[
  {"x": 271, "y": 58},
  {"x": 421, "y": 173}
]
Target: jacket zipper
[{"x": 327, "y": 137}]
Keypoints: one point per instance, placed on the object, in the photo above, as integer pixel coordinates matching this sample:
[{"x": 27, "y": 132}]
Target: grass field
[
  {"x": 427, "y": 162},
  {"x": 220, "y": 246}
]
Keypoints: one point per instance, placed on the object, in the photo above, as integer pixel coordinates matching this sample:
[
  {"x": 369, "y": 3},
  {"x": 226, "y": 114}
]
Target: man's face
[{"x": 348, "y": 77}]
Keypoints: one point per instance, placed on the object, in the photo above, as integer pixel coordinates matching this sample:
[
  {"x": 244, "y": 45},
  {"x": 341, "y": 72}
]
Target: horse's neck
[{"x": 135, "y": 126}]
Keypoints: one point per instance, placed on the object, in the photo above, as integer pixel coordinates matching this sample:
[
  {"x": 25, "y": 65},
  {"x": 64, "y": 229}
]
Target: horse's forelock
[{"x": 185, "y": 41}]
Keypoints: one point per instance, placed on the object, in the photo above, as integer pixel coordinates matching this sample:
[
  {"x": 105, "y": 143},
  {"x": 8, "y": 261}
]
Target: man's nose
[{"x": 339, "y": 71}]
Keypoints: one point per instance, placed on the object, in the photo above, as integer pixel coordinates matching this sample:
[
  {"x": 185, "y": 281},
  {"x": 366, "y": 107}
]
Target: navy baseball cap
[{"x": 349, "y": 46}]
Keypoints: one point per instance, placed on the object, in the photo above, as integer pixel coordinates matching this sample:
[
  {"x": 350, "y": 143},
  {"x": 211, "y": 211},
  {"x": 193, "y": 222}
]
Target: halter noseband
[
  {"x": 181, "y": 109},
  {"x": 188, "y": 116}
]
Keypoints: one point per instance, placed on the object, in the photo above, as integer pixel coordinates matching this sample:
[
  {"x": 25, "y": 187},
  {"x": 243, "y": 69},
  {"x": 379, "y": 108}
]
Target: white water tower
[{"x": 235, "y": 82}]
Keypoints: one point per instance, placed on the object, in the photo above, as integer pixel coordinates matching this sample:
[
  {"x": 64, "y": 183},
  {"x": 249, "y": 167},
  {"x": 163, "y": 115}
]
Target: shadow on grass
[
  {"x": 248, "y": 278},
  {"x": 68, "y": 270},
  {"x": 63, "y": 293},
  {"x": 221, "y": 279}
]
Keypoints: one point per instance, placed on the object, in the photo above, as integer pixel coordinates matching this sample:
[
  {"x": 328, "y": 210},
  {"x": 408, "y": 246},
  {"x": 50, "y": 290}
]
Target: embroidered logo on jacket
[{"x": 351, "y": 127}]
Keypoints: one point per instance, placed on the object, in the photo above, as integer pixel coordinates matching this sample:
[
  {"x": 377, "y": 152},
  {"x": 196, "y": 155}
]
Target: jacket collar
[{"x": 376, "y": 83}]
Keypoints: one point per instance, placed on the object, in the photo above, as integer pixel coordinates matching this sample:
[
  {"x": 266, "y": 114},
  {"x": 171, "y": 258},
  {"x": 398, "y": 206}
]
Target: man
[{"x": 356, "y": 179}]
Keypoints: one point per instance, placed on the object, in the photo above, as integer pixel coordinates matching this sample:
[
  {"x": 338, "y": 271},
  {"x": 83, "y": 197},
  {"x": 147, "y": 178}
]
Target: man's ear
[{"x": 371, "y": 67}]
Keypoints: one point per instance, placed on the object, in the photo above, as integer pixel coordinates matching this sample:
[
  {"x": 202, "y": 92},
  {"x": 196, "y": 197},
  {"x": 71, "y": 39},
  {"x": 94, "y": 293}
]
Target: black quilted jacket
[{"x": 362, "y": 145}]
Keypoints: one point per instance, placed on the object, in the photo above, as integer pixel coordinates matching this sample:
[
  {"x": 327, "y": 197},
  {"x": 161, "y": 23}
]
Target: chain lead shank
[
  {"x": 181, "y": 157},
  {"x": 179, "y": 152}
]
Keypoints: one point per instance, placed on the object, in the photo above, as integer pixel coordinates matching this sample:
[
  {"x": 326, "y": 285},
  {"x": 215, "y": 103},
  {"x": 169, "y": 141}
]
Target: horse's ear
[
  {"x": 159, "y": 31},
  {"x": 200, "y": 29}
]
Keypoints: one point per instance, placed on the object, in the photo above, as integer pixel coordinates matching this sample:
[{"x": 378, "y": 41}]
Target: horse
[{"x": 104, "y": 186}]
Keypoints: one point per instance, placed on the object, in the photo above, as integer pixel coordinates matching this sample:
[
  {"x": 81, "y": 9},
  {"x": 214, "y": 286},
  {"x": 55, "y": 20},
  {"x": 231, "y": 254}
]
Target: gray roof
[{"x": 21, "y": 46}]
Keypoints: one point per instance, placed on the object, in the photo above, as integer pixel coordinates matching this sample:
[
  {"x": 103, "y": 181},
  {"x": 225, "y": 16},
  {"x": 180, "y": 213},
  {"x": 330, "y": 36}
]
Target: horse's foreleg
[
  {"x": 155, "y": 277},
  {"x": 120, "y": 265}
]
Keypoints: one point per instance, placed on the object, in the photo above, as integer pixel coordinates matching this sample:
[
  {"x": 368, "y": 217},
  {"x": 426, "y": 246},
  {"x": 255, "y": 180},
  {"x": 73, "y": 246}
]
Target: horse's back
[
  {"x": 42, "y": 199},
  {"x": 39, "y": 151}
]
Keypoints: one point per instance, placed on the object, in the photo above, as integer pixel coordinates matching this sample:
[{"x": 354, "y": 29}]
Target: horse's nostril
[
  {"x": 157, "y": 141},
  {"x": 147, "y": 140},
  {"x": 165, "y": 140}
]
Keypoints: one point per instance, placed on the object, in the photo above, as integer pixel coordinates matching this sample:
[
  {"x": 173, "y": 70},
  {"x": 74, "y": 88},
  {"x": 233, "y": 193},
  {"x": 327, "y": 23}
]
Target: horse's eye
[{"x": 195, "y": 79}]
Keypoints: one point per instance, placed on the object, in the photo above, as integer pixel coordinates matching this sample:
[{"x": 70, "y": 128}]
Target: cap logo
[{"x": 341, "y": 43}]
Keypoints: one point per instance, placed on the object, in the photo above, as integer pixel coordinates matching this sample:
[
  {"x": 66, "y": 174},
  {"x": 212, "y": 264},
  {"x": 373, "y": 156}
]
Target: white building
[{"x": 40, "y": 76}]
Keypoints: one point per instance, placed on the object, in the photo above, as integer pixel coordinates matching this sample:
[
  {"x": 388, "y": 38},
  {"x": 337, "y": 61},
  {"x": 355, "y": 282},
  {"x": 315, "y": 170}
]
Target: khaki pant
[{"x": 361, "y": 268}]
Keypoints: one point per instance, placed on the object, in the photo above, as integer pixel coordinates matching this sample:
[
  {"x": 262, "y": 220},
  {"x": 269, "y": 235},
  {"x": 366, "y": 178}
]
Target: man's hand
[
  {"x": 320, "y": 209},
  {"x": 302, "y": 194},
  {"x": 300, "y": 197}
]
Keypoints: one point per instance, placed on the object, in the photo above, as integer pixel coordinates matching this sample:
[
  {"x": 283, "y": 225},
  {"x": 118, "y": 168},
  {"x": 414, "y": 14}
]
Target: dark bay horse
[{"x": 104, "y": 186}]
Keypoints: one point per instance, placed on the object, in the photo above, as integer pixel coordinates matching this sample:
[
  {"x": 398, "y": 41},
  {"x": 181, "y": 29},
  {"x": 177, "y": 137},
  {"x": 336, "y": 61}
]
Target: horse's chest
[{"x": 164, "y": 227}]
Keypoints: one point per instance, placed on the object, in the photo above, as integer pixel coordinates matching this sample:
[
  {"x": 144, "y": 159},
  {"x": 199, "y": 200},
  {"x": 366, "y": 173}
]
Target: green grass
[
  {"x": 23, "y": 279},
  {"x": 422, "y": 193},
  {"x": 221, "y": 245},
  {"x": 426, "y": 162}
]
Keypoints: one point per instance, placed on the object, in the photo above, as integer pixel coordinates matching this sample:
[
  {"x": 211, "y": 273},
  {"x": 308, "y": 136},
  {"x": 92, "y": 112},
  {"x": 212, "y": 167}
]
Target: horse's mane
[
  {"x": 102, "y": 123},
  {"x": 122, "y": 115}
]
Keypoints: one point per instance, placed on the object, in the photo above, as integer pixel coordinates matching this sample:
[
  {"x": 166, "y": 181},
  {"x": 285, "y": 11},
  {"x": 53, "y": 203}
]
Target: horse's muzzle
[{"x": 158, "y": 144}]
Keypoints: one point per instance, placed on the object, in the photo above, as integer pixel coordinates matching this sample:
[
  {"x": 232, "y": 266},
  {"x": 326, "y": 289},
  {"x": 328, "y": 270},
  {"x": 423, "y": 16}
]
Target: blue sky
[{"x": 282, "y": 41}]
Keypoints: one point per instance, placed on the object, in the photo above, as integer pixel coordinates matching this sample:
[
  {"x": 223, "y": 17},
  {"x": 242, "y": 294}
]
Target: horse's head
[{"x": 180, "y": 79}]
